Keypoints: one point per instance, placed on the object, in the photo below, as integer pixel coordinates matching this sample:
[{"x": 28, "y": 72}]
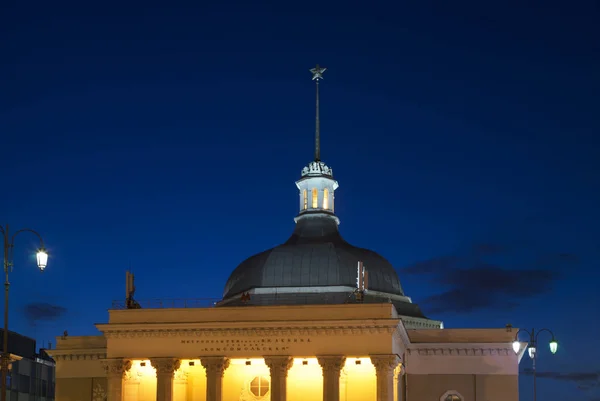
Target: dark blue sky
[{"x": 167, "y": 139}]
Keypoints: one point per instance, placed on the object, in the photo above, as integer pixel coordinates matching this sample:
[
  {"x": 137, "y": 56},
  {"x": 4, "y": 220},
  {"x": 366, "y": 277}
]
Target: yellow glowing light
[
  {"x": 142, "y": 368},
  {"x": 315, "y": 197},
  {"x": 305, "y": 380},
  {"x": 253, "y": 361},
  {"x": 306, "y": 362},
  {"x": 304, "y": 199},
  {"x": 325, "y": 198},
  {"x": 360, "y": 379},
  {"x": 243, "y": 381}
]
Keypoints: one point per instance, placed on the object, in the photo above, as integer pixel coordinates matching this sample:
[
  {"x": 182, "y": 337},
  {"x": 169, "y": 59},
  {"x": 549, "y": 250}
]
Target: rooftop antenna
[
  {"x": 130, "y": 303},
  {"x": 317, "y": 75}
]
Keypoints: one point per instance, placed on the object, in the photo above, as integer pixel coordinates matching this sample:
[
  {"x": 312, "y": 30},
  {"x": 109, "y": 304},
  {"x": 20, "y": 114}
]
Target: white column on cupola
[{"x": 317, "y": 186}]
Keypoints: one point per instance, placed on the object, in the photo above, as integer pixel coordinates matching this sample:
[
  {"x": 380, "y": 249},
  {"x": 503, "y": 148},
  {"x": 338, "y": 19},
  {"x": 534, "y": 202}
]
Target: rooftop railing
[
  {"x": 253, "y": 300},
  {"x": 165, "y": 303}
]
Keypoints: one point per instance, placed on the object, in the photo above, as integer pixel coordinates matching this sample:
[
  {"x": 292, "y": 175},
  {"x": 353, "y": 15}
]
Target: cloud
[
  {"x": 471, "y": 282},
  {"x": 433, "y": 266},
  {"x": 583, "y": 380},
  {"x": 557, "y": 260},
  {"x": 43, "y": 311}
]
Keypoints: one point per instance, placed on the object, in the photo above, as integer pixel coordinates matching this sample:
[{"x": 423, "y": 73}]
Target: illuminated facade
[{"x": 312, "y": 319}]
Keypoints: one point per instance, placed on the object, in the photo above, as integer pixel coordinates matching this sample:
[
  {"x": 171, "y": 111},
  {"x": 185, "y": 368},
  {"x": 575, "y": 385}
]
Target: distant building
[{"x": 31, "y": 377}]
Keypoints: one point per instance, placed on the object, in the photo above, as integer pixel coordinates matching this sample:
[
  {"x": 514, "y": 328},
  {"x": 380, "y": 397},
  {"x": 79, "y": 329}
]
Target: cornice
[
  {"x": 77, "y": 354},
  {"x": 416, "y": 322},
  {"x": 401, "y": 335},
  {"x": 136, "y": 332},
  {"x": 460, "y": 351},
  {"x": 87, "y": 356}
]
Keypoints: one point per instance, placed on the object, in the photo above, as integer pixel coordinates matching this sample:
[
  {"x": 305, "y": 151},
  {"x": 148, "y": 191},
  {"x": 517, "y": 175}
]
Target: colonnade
[{"x": 387, "y": 368}]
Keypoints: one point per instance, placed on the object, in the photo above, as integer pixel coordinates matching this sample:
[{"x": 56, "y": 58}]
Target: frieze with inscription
[{"x": 245, "y": 344}]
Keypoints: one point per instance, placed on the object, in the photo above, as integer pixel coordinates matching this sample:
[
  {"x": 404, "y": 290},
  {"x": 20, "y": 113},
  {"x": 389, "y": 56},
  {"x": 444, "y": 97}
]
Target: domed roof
[
  {"x": 316, "y": 265},
  {"x": 315, "y": 255}
]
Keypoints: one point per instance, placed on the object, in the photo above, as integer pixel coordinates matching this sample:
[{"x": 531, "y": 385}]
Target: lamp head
[
  {"x": 553, "y": 346},
  {"x": 532, "y": 350},
  {"x": 516, "y": 346},
  {"x": 42, "y": 258}
]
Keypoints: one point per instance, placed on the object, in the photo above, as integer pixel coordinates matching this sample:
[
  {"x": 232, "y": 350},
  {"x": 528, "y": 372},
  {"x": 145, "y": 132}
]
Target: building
[
  {"x": 315, "y": 318},
  {"x": 31, "y": 376}
]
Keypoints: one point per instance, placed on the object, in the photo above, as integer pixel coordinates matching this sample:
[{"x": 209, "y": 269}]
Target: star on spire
[{"x": 317, "y": 72}]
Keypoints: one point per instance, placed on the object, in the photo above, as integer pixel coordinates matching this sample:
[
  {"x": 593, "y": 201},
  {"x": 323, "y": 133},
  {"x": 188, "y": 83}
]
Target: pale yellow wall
[
  {"x": 189, "y": 383},
  {"x": 77, "y": 389},
  {"x": 487, "y": 387},
  {"x": 358, "y": 381},
  {"x": 305, "y": 382},
  {"x": 140, "y": 382},
  {"x": 73, "y": 368},
  {"x": 194, "y": 388}
]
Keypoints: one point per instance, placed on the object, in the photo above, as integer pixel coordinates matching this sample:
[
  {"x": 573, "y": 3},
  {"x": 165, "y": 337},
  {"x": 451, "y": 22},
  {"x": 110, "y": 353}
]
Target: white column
[
  {"x": 180, "y": 383},
  {"x": 115, "y": 371},
  {"x": 384, "y": 367},
  {"x": 215, "y": 369},
  {"x": 401, "y": 381},
  {"x": 165, "y": 370},
  {"x": 332, "y": 366},
  {"x": 279, "y": 366}
]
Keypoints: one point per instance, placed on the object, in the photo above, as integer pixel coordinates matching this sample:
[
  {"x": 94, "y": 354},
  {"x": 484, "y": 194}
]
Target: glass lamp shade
[
  {"x": 553, "y": 346},
  {"x": 516, "y": 346},
  {"x": 42, "y": 258},
  {"x": 532, "y": 351}
]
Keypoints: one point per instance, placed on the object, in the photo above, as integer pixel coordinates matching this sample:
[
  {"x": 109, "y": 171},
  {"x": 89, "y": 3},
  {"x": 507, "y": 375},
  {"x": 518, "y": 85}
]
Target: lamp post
[
  {"x": 42, "y": 260},
  {"x": 533, "y": 341}
]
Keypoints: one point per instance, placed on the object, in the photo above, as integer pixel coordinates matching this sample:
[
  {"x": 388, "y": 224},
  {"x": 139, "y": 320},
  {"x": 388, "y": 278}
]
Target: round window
[{"x": 259, "y": 386}]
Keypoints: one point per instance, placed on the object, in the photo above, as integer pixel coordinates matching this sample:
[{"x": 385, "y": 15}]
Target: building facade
[
  {"x": 31, "y": 375},
  {"x": 314, "y": 318}
]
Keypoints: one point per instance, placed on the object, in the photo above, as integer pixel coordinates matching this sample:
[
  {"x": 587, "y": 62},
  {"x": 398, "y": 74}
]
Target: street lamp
[
  {"x": 532, "y": 349},
  {"x": 42, "y": 261}
]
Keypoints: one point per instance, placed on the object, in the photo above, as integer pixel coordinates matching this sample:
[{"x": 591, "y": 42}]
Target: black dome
[{"x": 314, "y": 256}]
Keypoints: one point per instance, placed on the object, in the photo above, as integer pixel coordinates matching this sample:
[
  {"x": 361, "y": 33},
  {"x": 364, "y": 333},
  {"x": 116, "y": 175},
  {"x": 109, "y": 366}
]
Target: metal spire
[{"x": 317, "y": 75}]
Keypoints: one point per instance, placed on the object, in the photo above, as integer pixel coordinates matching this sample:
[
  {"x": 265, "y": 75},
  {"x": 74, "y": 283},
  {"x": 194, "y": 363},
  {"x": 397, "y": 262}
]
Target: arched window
[
  {"x": 326, "y": 199},
  {"x": 304, "y": 199},
  {"x": 451, "y": 396},
  {"x": 315, "y": 197}
]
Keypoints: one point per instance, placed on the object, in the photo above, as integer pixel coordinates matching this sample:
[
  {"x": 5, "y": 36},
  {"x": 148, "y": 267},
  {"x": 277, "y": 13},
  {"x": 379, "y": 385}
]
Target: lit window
[
  {"x": 315, "y": 196},
  {"x": 325, "y": 199},
  {"x": 305, "y": 199},
  {"x": 259, "y": 386}
]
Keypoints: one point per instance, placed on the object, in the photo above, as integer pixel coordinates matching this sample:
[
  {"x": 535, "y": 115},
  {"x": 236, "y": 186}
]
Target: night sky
[{"x": 166, "y": 139}]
